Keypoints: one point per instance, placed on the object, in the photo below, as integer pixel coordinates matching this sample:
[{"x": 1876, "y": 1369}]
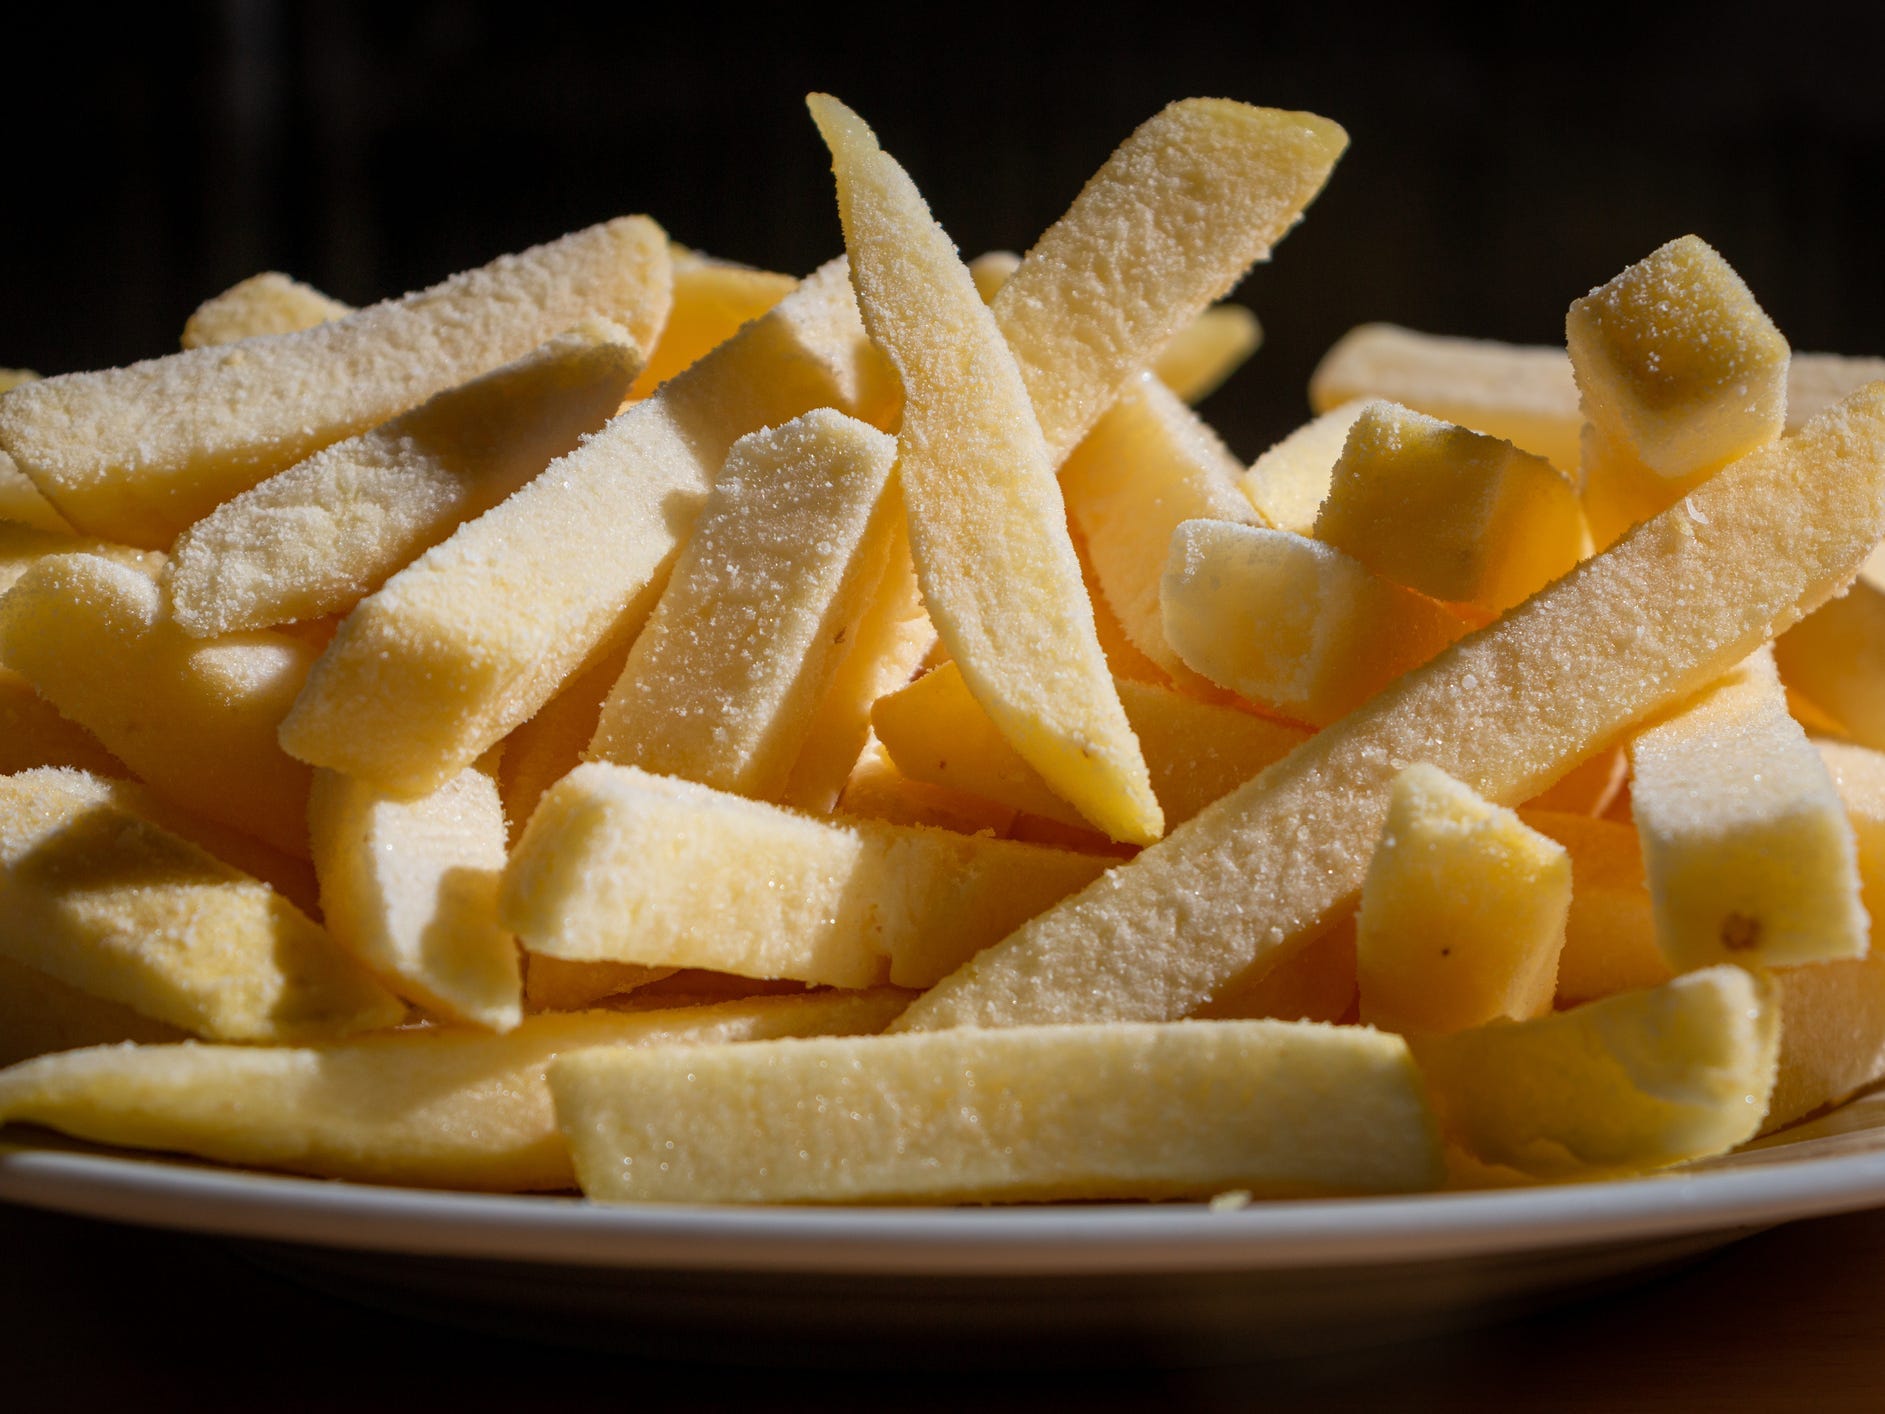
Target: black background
[{"x": 1499, "y": 167}]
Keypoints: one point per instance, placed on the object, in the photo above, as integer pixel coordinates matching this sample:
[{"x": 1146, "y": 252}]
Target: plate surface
[{"x": 1181, "y": 1281}]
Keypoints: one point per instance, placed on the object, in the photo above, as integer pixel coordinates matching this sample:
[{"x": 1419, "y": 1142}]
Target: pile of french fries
[{"x": 620, "y": 719}]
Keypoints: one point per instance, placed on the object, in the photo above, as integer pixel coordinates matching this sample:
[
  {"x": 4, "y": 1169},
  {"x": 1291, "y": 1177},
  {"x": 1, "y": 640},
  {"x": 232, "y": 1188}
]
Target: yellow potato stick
[
  {"x": 1198, "y": 193},
  {"x": 1124, "y": 660},
  {"x": 1625, "y": 1085},
  {"x": 138, "y": 453},
  {"x": 1455, "y": 514},
  {"x": 1462, "y": 912},
  {"x": 21, "y": 503},
  {"x": 1832, "y": 1014},
  {"x": 1291, "y": 623},
  {"x": 722, "y": 684},
  {"x": 713, "y": 300},
  {"x": 39, "y": 1014},
  {"x": 268, "y": 303},
  {"x": 1747, "y": 849},
  {"x": 1318, "y": 983},
  {"x": 1524, "y": 395},
  {"x": 22, "y": 546},
  {"x": 1507, "y": 711},
  {"x": 32, "y": 733},
  {"x": 468, "y": 641},
  {"x": 553, "y": 984},
  {"x": 987, "y": 525},
  {"x": 1836, "y": 657},
  {"x": 409, "y": 887},
  {"x": 1149, "y": 464},
  {"x": 1288, "y": 483},
  {"x": 11, "y": 378},
  {"x": 991, "y": 270},
  {"x": 1207, "y": 351},
  {"x": 95, "y": 894},
  {"x": 1196, "y": 751},
  {"x": 317, "y": 538},
  {"x": 441, "y": 1109},
  {"x": 877, "y": 790},
  {"x": 1587, "y": 789},
  {"x": 881, "y": 655},
  {"x": 1610, "y": 933},
  {"x": 618, "y": 865},
  {"x": 543, "y": 750},
  {"x": 195, "y": 718},
  {"x": 1038, "y": 1113}
]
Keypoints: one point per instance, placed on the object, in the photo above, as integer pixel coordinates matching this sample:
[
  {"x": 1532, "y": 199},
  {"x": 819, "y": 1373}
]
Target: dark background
[{"x": 1499, "y": 167}]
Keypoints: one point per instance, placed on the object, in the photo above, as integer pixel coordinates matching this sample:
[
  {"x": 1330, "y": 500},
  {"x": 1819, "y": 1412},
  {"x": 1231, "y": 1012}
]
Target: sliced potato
[
  {"x": 39, "y": 1014},
  {"x": 1610, "y": 932},
  {"x": 1836, "y": 657},
  {"x": 21, "y": 503},
  {"x": 268, "y": 303},
  {"x": 556, "y": 984},
  {"x": 713, "y": 301},
  {"x": 32, "y": 733},
  {"x": 1289, "y": 483},
  {"x": 1207, "y": 351}
]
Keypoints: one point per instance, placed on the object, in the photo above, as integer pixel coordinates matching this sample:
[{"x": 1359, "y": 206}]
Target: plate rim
[{"x": 1056, "y": 1241}]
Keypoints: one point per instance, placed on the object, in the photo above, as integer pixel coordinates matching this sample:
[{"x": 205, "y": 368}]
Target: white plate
[{"x": 1174, "y": 1281}]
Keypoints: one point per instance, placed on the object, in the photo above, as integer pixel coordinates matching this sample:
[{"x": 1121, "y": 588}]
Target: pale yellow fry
[
  {"x": 139, "y": 453},
  {"x": 431, "y": 1108},
  {"x": 409, "y": 886},
  {"x": 21, "y": 503},
  {"x": 1170, "y": 223},
  {"x": 1149, "y": 464},
  {"x": 317, "y": 538},
  {"x": 1610, "y": 933},
  {"x": 1508, "y": 710},
  {"x": 1288, "y": 483},
  {"x": 1208, "y": 350},
  {"x": 1047, "y": 1112},
  {"x": 713, "y": 300},
  {"x": 721, "y": 685},
  {"x": 11, "y": 378},
  {"x": 1624, "y": 1085},
  {"x": 1836, "y": 656},
  {"x": 268, "y": 303},
  {"x": 556, "y": 984},
  {"x": 987, "y": 525},
  {"x": 469, "y": 640},
  {"x": 100, "y": 897},
  {"x": 32, "y": 733},
  {"x": 543, "y": 750},
  {"x": 1747, "y": 850},
  {"x": 23, "y": 546},
  {"x": 40, "y": 1014}
]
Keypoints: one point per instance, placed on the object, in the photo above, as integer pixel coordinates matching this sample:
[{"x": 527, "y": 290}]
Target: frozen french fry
[
  {"x": 21, "y": 503},
  {"x": 1590, "y": 788},
  {"x": 438, "y": 1108},
  {"x": 40, "y": 1014},
  {"x": 468, "y": 641},
  {"x": 318, "y": 537},
  {"x": 11, "y": 378},
  {"x": 713, "y": 300},
  {"x": 877, "y": 790},
  {"x": 1318, "y": 983},
  {"x": 409, "y": 887},
  {"x": 1624, "y": 1085},
  {"x": 195, "y": 718},
  {"x": 555, "y": 984},
  {"x": 1455, "y": 514},
  {"x": 1207, "y": 351},
  {"x": 268, "y": 303},
  {"x": 1747, "y": 849},
  {"x": 98, "y": 896},
  {"x": 1836, "y": 657},
  {"x": 139, "y": 453},
  {"x": 1506, "y": 711},
  {"x": 22, "y": 546},
  {"x": 543, "y": 750},
  {"x": 32, "y": 733},
  {"x": 1288, "y": 483},
  {"x": 618, "y": 865},
  {"x": 1610, "y": 932},
  {"x": 986, "y": 522},
  {"x": 1148, "y": 465},
  {"x": 1036, "y": 1113},
  {"x": 1462, "y": 911},
  {"x": 722, "y": 684},
  {"x": 1290, "y": 622}
]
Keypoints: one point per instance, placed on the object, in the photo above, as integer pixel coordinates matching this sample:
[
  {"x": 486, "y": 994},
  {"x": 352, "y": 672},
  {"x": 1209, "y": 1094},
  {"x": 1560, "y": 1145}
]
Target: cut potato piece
[
  {"x": 1147, "y": 466},
  {"x": 1207, "y": 351},
  {"x": 196, "y": 719},
  {"x": 1832, "y": 1026},
  {"x": 713, "y": 301},
  {"x": 1462, "y": 912},
  {"x": 877, "y": 790},
  {"x": 1590, "y": 788},
  {"x": 1747, "y": 849},
  {"x": 987, "y": 525},
  {"x": 137, "y": 454},
  {"x": 622, "y": 866},
  {"x": 32, "y": 733},
  {"x": 1455, "y": 514},
  {"x": 268, "y": 303},
  {"x": 39, "y": 1014},
  {"x": 96, "y": 895},
  {"x": 543, "y": 750},
  {"x": 1506, "y": 711},
  {"x": 11, "y": 378},
  {"x": 722, "y": 684},
  {"x": 409, "y": 886},
  {"x": 1196, "y": 751},
  {"x": 1624, "y": 1085},
  {"x": 1290, "y": 622},
  {"x": 23, "y": 546},
  {"x": 1610, "y": 933},
  {"x": 553, "y": 984},
  {"x": 1038, "y": 1113},
  {"x": 1836, "y": 656},
  {"x": 318, "y": 537},
  {"x": 469, "y": 640},
  {"x": 1318, "y": 983},
  {"x": 1288, "y": 484},
  {"x": 21, "y": 503},
  {"x": 1197, "y": 194},
  {"x": 433, "y": 1108}
]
